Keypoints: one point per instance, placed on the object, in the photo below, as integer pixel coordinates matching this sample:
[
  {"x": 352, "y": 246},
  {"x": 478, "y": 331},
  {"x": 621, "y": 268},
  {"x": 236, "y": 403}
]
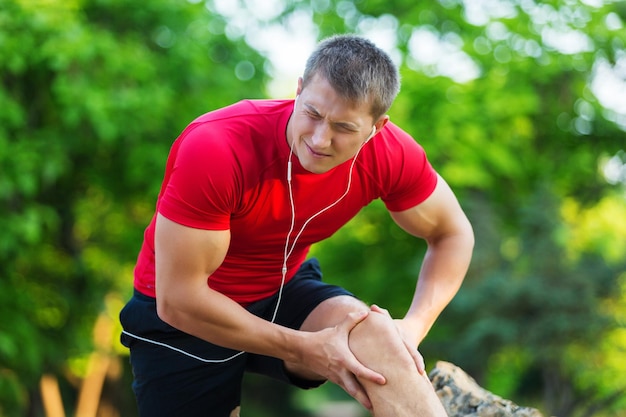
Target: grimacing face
[{"x": 325, "y": 129}]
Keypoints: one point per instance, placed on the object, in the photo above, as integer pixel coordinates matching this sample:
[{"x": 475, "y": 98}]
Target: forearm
[
  {"x": 185, "y": 257},
  {"x": 213, "y": 317},
  {"x": 443, "y": 270}
]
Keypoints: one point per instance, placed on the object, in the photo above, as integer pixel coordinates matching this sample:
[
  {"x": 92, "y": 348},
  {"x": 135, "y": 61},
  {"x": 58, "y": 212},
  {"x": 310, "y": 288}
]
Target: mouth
[{"x": 314, "y": 153}]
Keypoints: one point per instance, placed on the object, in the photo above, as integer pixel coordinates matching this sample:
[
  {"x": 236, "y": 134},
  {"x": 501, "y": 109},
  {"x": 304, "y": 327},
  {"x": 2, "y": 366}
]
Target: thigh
[
  {"x": 167, "y": 383},
  {"x": 328, "y": 313},
  {"x": 176, "y": 374},
  {"x": 306, "y": 303},
  {"x": 331, "y": 312},
  {"x": 304, "y": 294}
]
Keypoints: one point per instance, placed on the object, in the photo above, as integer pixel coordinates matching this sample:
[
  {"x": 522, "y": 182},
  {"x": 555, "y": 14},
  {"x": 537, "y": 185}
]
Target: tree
[
  {"x": 506, "y": 98},
  {"x": 92, "y": 95},
  {"x": 506, "y": 101}
]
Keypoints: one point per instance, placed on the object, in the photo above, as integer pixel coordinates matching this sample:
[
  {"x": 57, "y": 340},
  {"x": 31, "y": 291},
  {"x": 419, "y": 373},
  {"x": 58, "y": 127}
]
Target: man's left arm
[{"x": 440, "y": 221}]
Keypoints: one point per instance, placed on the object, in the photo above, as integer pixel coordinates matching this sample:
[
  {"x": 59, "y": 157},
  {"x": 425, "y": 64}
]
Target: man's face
[{"x": 325, "y": 129}]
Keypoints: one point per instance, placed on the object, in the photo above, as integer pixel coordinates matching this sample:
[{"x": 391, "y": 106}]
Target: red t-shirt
[{"x": 228, "y": 171}]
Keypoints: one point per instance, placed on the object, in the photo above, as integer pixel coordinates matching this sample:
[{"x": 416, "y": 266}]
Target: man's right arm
[{"x": 186, "y": 257}]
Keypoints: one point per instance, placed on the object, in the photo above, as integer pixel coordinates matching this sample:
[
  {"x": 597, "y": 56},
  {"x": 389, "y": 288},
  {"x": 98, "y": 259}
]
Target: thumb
[
  {"x": 417, "y": 358},
  {"x": 381, "y": 310},
  {"x": 352, "y": 363},
  {"x": 353, "y": 318}
]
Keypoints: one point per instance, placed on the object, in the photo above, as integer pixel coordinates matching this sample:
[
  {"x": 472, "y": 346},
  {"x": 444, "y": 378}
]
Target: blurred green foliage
[{"x": 93, "y": 93}]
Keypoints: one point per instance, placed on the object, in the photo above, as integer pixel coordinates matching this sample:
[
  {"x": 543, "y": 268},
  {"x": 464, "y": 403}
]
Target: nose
[{"x": 322, "y": 136}]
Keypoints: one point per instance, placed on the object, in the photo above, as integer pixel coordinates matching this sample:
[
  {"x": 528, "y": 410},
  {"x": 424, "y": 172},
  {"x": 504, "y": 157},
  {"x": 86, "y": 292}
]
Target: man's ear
[
  {"x": 380, "y": 123},
  {"x": 374, "y": 130},
  {"x": 299, "y": 89}
]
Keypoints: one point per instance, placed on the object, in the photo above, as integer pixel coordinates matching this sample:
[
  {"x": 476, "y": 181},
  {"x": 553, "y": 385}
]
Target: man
[{"x": 222, "y": 284}]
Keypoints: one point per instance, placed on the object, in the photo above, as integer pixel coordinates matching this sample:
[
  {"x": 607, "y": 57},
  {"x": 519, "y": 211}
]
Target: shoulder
[
  {"x": 241, "y": 126},
  {"x": 398, "y": 164},
  {"x": 246, "y": 112},
  {"x": 393, "y": 149},
  {"x": 392, "y": 138}
]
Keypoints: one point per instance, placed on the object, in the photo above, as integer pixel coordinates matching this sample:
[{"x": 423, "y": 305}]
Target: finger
[
  {"x": 352, "y": 364},
  {"x": 354, "y": 318},
  {"x": 379, "y": 309},
  {"x": 417, "y": 358},
  {"x": 356, "y": 390},
  {"x": 360, "y": 371},
  {"x": 363, "y": 372},
  {"x": 351, "y": 320}
]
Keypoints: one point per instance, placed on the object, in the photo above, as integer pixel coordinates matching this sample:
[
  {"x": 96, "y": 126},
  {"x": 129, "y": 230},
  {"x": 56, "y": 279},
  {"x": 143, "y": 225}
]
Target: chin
[
  {"x": 316, "y": 165},
  {"x": 316, "y": 168}
]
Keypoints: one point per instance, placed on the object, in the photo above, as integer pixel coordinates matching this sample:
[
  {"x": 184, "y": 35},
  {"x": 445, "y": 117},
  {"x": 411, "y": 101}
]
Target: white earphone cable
[
  {"x": 165, "y": 345},
  {"x": 286, "y": 254},
  {"x": 288, "y": 250}
]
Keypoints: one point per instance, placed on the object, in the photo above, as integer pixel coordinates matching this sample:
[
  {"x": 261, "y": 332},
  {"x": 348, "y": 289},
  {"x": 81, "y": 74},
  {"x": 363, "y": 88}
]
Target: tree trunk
[{"x": 463, "y": 397}]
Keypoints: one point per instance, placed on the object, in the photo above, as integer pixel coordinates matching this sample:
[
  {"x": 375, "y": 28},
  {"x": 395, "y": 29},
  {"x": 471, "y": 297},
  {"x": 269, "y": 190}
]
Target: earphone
[{"x": 289, "y": 249}]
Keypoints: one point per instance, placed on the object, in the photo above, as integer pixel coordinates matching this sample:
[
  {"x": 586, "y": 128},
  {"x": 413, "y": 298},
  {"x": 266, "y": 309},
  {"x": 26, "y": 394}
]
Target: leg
[
  {"x": 169, "y": 383},
  {"x": 377, "y": 344}
]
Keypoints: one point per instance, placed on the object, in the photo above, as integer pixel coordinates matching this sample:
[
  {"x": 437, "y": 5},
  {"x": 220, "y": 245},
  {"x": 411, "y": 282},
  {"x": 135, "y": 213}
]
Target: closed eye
[
  {"x": 346, "y": 128},
  {"x": 313, "y": 115},
  {"x": 343, "y": 127}
]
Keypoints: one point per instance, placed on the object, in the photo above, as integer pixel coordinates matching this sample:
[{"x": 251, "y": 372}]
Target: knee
[
  {"x": 377, "y": 343},
  {"x": 377, "y": 330}
]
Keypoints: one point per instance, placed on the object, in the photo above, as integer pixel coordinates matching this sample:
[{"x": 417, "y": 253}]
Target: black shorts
[{"x": 176, "y": 374}]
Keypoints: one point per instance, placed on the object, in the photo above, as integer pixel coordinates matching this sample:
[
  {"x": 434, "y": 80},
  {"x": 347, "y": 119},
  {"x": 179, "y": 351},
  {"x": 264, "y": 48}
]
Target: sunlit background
[{"x": 520, "y": 105}]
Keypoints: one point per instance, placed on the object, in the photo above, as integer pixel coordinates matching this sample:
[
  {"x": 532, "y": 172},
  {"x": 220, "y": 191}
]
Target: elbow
[
  {"x": 166, "y": 310},
  {"x": 168, "y": 302},
  {"x": 468, "y": 238},
  {"x": 461, "y": 237},
  {"x": 469, "y": 232}
]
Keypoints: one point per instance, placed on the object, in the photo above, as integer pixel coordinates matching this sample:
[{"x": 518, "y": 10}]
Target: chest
[{"x": 313, "y": 207}]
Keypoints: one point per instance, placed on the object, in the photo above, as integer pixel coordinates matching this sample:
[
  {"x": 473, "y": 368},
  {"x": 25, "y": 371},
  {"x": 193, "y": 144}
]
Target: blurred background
[{"x": 520, "y": 105}]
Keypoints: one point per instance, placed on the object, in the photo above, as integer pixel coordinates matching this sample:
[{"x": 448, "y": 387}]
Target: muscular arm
[
  {"x": 441, "y": 222},
  {"x": 185, "y": 257}
]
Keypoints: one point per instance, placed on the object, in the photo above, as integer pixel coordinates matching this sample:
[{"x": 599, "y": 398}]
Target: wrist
[
  {"x": 293, "y": 344},
  {"x": 418, "y": 328}
]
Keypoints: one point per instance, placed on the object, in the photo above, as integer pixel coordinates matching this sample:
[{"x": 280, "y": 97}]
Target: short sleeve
[
  {"x": 202, "y": 182},
  {"x": 412, "y": 178}
]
